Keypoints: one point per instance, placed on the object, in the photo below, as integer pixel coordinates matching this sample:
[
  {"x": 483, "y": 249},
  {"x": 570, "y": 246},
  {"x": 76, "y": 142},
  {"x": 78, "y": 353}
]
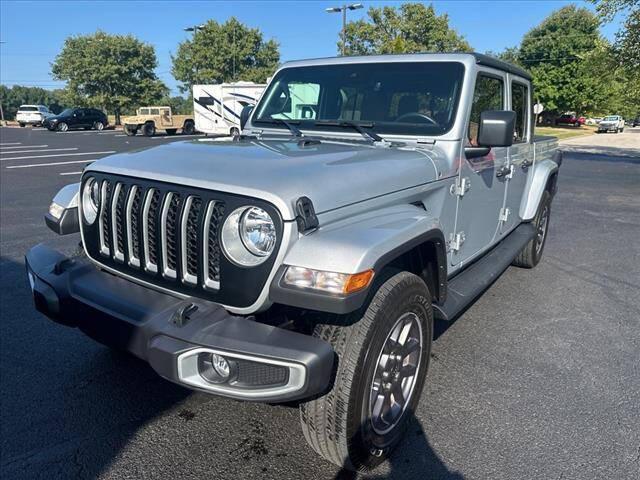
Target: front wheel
[
  {"x": 130, "y": 130},
  {"x": 382, "y": 366},
  {"x": 63, "y": 127},
  {"x": 99, "y": 126}
]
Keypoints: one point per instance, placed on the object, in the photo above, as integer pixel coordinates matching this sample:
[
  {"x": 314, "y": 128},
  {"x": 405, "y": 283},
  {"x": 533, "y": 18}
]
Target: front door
[
  {"x": 482, "y": 181},
  {"x": 520, "y": 155}
]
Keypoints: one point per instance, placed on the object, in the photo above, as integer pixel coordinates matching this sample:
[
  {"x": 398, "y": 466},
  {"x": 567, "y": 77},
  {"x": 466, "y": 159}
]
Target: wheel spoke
[
  {"x": 398, "y": 396},
  {"x": 409, "y": 347},
  {"x": 408, "y": 370}
]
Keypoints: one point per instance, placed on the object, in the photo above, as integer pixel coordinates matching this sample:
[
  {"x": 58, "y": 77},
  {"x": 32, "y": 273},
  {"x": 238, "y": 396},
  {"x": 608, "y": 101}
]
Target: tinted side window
[
  {"x": 488, "y": 95},
  {"x": 520, "y": 105}
]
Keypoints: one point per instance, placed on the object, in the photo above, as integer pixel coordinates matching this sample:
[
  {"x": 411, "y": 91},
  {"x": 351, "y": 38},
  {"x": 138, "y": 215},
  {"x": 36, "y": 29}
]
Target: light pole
[
  {"x": 194, "y": 29},
  {"x": 343, "y": 9}
]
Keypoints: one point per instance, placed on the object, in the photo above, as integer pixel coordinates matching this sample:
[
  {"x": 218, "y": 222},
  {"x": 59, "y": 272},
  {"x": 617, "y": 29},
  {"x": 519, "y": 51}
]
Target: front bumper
[{"x": 169, "y": 332}]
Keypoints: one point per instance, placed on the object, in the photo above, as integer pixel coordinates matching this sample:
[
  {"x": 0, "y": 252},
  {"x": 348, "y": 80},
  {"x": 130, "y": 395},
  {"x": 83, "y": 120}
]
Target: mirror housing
[
  {"x": 245, "y": 114},
  {"x": 495, "y": 130}
]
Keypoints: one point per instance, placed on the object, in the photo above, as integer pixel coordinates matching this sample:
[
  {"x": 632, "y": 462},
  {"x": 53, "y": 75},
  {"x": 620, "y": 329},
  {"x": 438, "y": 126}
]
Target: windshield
[
  {"x": 25, "y": 108},
  {"x": 416, "y": 98},
  {"x": 611, "y": 119}
]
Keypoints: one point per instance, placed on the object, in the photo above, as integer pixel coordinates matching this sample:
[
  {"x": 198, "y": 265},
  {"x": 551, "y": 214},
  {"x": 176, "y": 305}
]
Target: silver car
[{"x": 307, "y": 258}]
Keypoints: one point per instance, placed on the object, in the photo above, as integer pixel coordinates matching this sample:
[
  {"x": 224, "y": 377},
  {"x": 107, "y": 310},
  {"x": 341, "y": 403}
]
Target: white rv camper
[{"x": 217, "y": 108}]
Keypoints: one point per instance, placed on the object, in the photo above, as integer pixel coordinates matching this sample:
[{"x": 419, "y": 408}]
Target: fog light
[{"x": 214, "y": 368}]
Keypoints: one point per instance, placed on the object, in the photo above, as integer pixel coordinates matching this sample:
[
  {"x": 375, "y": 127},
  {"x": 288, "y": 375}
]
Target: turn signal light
[{"x": 328, "y": 282}]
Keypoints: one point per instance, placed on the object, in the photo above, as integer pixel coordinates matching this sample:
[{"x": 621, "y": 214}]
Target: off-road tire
[
  {"x": 188, "y": 128},
  {"x": 530, "y": 255},
  {"x": 171, "y": 131},
  {"x": 130, "y": 131},
  {"x": 22, "y": 125},
  {"x": 337, "y": 425},
  {"x": 149, "y": 129}
]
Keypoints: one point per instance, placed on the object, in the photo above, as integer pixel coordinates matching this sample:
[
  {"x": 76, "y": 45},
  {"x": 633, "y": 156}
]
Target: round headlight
[
  {"x": 258, "y": 232},
  {"x": 90, "y": 200},
  {"x": 248, "y": 236}
]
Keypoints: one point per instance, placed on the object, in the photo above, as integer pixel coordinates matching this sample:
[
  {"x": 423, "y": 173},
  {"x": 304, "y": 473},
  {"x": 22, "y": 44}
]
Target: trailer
[{"x": 217, "y": 107}]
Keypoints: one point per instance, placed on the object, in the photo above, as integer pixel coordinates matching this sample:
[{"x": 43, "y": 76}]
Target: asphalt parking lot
[{"x": 539, "y": 379}]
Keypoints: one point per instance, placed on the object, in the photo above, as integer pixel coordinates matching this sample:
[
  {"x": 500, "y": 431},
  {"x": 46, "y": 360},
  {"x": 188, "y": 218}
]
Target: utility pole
[{"x": 343, "y": 9}]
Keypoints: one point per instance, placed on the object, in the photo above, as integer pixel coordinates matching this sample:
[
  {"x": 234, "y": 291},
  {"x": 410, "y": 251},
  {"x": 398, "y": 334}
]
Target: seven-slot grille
[{"x": 161, "y": 231}]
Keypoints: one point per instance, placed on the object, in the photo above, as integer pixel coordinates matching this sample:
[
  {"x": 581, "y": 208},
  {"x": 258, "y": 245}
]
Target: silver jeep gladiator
[{"x": 306, "y": 259}]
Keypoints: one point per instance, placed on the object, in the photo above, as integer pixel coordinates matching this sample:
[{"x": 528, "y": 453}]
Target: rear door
[
  {"x": 520, "y": 154},
  {"x": 479, "y": 206}
]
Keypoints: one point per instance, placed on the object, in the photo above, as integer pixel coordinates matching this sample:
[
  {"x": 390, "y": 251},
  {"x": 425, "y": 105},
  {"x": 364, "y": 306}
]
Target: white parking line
[
  {"x": 121, "y": 135},
  {"x": 56, "y": 155},
  {"x": 10, "y": 143},
  {"x": 39, "y": 151},
  {"x": 176, "y": 136},
  {"x": 2, "y": 149},
  {"x": 52, "y": 164},
  {"x": 70, "y": 173}
]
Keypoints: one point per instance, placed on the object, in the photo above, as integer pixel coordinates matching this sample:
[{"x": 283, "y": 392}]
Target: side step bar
[{"x": 465, "y": 287}]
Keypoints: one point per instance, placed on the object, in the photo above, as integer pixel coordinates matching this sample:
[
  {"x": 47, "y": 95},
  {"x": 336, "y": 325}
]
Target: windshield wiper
[
  {"x": 289, "y": 124},
  {"x": 358, "y": 126}
]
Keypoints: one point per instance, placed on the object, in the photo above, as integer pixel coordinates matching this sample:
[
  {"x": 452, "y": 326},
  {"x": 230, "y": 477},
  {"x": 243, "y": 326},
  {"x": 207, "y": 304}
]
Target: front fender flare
[{"x": 369, "y": 241}]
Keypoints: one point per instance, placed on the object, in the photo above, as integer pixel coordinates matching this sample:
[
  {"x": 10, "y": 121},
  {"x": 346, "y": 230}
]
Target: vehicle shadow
[
  {"x": 413, "y": 458},
  {"x": 69, "y": 407}
]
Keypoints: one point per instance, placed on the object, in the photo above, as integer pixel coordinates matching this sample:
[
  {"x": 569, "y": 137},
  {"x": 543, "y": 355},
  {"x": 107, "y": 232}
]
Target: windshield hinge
[
  {"x": 504, "y": 214},
  {"x": 460, "y": 187},
  {"x": 306, "y": 215}
]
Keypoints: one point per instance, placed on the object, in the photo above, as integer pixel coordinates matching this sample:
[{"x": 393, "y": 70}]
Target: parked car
[
  {"x": 72, "y": 118},
  {"x": 570, "y": 119},
  {"x": 32, "y": 114},
  {"x": 305, "y": 260},
  {"x": 611, "y": 123},
  {"x": 151, "y": 119},
  {"x": 636, "y": 121}
]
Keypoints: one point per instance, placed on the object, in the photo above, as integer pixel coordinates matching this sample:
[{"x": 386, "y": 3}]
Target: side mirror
[
  {"x": 245, "y": 114},
  {"x": 495, "y": 130}
]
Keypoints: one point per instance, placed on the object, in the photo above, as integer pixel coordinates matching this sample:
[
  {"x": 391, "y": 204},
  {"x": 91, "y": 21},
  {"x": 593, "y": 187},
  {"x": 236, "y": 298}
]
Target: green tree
[
  {"x": 113, "y": 72},
  {"x": 224, "y": 52},
  {"x": 179, "y": 105},
  {"x": 608, "y": 9},
  {"x": 567, "y": 57},
  {"x": 409, "y": 28}
]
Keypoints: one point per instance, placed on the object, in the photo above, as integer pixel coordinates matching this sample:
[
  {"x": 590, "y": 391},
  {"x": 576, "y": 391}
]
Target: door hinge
[
  {"x": 505, "y": 172},
  {"x": 455, "y": 241},
  {"x": 461, "y": 186},
  {"x": 504, "y": 214}
]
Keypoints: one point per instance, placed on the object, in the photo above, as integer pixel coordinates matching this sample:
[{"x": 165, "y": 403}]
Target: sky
[{"x": 33, "y": 32}]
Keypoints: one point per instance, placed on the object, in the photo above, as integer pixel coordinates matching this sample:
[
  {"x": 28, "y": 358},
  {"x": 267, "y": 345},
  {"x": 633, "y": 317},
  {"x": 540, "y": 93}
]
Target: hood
[{"x": 331, "y": 174}]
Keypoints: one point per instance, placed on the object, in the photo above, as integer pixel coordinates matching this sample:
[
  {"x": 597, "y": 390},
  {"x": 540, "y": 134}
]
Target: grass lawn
[{"x": 566, "y": 132}]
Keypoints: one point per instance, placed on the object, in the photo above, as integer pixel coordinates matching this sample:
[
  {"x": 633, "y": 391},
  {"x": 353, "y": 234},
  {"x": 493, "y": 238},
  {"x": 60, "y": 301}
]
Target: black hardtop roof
[{"x": 487, "y": 61}]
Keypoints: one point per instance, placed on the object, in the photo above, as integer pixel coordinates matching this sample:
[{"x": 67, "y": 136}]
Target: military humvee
[{"x": 150, "y": 119}]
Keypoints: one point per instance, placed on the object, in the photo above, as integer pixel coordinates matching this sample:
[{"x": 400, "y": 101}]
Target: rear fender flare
[{"x": 542, "y": 173}]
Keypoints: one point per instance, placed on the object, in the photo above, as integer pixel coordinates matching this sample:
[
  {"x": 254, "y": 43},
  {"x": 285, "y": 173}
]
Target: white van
[{"x": 216, "y": 108}]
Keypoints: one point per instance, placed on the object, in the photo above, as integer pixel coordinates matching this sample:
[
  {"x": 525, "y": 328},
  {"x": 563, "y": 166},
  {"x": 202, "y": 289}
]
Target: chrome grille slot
[
  {"x": 189, "y": 230},
  {"x": 117, "y": 224},
  {"x": 149, "y": 225},
  {"x": 168, "y": 220},
  {"x": 211, "y": 245},
  {"x": 132, "y": 219},
  {"x": 104, "y": 224}
]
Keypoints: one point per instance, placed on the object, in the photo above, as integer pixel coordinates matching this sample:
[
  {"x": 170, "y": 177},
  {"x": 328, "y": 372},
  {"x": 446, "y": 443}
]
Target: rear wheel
[
  {"x": 63, "y": 127},
  {"x": 171, "y": 131},
  {"x": 188, "y": 128},
  {"x": 531, "y": 254},
  {"x": 577, "y": 124},
  {"x": 234, "y": 132},
  {"x": 382, "y": 366},
  {"x": 21, "y": 125},
  {"x": 149, "y": 129}
]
